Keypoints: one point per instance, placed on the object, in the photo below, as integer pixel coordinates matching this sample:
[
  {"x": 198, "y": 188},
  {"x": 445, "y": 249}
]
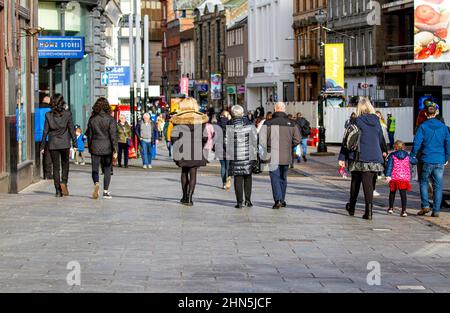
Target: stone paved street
[{"x": 143, "y": 240}]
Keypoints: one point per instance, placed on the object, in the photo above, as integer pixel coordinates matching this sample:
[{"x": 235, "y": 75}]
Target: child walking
[
  {"x": 81, "y": 139},
  {"x": 398, "y": 174}
]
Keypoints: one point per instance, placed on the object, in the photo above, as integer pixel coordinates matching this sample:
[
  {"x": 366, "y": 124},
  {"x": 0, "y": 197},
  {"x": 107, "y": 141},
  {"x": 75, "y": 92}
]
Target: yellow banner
[{"x": 334, "y": 67}]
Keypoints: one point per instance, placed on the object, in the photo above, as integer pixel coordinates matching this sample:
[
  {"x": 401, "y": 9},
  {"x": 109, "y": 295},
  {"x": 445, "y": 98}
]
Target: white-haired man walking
[
  {"x": 147, "y": 133},
  {"x": 282, "y": 136}
]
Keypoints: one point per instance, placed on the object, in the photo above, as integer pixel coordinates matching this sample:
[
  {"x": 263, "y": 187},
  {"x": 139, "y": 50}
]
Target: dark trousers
[
  {"x": 391, "y": 136},
  {"x": 123, "y": 150},
  {"x": 47, "y": 163},
  {"x": 402, "y": 196},
  {"x": 243, "y": 185},
  {"x": 278, "y": 179},
  {"x": 60, "y": 159},
  {"x": 366, "y": 178},
  {"x": 106, "y": 163}
]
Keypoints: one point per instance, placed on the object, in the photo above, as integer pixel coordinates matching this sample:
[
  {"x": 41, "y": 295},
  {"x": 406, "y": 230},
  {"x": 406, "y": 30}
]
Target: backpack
[
  {"x": 305, "y": 129},
  {"x": 402, "y": 169},
  {"x": 352, "y": 137}
]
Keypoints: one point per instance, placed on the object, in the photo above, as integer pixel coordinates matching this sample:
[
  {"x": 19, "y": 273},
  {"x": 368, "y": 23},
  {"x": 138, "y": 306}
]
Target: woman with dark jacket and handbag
[
  {"x": 124, "y": 140},
  {"x": 241, "y": 141},
  {"x": 60, "y": 130},
  {"x": 102, "y": 142},
  {"x": 369, "y": 160},
  {"x": 189, "y": 137}
]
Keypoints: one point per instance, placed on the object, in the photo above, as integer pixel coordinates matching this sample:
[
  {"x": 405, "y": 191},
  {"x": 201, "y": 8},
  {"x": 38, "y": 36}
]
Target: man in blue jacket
[{"x": 433, "y": 140}]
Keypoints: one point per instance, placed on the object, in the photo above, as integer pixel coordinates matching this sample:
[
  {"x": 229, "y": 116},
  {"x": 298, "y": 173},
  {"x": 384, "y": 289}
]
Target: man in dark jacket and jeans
[
  {"x": 433, "y": 140},
  {"x": 279, "y": 136}
]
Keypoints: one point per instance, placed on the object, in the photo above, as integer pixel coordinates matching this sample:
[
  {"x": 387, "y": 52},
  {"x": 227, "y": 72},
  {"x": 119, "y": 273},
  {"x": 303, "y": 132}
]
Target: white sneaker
[
  {"x": 107, "y": 195},
  {"x": 376, "y": 194},
  {"x": 149, "y": 166},
  {"x": 83, "y": 163},
  {"x": 76, "y": 163},
  {"x": 145, "y": 166}
]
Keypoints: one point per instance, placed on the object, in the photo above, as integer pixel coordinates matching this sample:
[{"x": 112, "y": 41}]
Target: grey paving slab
[{"x": 143, "y": 240}]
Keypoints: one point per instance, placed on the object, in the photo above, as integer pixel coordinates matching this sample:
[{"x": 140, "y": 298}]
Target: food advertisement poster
[{"x": 431, "y": 31}]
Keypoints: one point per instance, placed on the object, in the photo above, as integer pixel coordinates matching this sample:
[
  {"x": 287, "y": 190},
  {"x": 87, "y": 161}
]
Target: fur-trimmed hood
[{"x": 189, "y": 118}]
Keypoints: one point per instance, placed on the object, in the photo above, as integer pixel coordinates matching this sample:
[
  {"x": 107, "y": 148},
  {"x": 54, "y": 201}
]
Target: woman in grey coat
[{"x": 241, "y": 141}]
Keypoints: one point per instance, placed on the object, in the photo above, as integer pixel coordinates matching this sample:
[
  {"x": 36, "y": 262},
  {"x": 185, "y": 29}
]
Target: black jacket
[
  {"x": 241, "y": 140},
  {"x": 102, "y": 134},
  {"x": 278, "y": 137},
  {"x": 302, "y": 122},
  {"x": 60, "y": 131}
]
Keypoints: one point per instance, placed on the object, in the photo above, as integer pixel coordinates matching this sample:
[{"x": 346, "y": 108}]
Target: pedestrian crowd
[{"x": 245, "y": 144}]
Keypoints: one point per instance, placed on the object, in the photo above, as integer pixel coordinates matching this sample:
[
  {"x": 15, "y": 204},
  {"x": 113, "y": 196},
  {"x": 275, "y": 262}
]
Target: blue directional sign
[
  {"x": 60, "y": 47},
  {"x": 105, "y": 79},
  {"x": 118, "y": 75}
]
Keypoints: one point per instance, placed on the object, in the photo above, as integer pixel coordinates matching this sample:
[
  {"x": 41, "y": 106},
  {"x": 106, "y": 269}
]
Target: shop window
[{"x": 21, "y": 112}]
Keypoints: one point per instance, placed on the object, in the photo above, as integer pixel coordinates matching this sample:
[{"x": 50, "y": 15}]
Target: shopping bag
[{"x": 297, "y": 151}]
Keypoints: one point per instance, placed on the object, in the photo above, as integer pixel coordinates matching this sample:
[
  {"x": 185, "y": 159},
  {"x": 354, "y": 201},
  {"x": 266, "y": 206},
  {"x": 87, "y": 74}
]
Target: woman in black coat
[
  {"x": 102, "y": 142},
  {"x": 241, "y": 146},
  {"x": 61, "y": 134},
  {"x": 188, "y": 137}
]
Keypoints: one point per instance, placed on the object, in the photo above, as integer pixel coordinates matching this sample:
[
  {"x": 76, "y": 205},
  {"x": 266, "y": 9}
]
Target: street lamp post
[{"x": 321, "y": 18}]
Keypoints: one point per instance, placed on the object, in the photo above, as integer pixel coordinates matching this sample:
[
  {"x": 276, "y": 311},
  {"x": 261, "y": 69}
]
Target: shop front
[
  {"x": 17, "y": 95},
  {"x": 64, "y": 73}
]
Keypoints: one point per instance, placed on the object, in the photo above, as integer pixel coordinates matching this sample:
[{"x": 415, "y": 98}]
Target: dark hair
[
  {"x": 58, "y": 104},
  {"x": 431, "y": 111},
  {"x": 101, "y": 105}
]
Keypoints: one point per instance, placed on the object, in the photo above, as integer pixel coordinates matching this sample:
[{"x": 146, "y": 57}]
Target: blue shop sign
[
  {"x": 118, "y": 75},
  {"x": 60, "y": 47}
]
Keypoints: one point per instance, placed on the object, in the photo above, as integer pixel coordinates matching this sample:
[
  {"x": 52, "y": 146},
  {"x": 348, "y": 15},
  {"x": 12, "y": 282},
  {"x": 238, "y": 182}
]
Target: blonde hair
[
  {"x": 399, "y": 145},
  {"x": 364, "y": 107}
]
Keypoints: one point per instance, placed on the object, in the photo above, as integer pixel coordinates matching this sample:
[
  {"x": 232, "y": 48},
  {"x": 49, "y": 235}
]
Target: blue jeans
[
  {"x": 278, "y": 179},
  {"x": 224, "y": 166},
  {"x": 304, "y": 144},
  {"x": 146, "y": 150},
  {"x": 436, "y": 171}
]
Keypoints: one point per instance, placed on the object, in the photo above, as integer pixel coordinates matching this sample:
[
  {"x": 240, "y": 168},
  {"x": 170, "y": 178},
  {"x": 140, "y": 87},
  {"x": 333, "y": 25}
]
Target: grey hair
[
  {"x": 280, "y": 107},
  {"x": 146, "y": 114},
  {"x": 237, "y": 111}
]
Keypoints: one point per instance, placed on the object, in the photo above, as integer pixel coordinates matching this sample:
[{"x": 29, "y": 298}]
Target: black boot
[
  {"x": 239, "y": 205},
  {"x": 368, "y": 214},
  {"x": 189, "y": 200},
  {"x": 58, "y": 193},
  {"x": 185, "y": 199},
  {"x": 350, "y": 209}
]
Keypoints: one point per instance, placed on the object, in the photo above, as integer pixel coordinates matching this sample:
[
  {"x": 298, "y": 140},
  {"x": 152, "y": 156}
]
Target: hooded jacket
[
  {"x": 399, "y": 154},
  {"x": 188, "y": 137},
  {"x": 372, "y": 143},
  {"x": 241, "y": 142},
  {"x": 433, "y": 140}
]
